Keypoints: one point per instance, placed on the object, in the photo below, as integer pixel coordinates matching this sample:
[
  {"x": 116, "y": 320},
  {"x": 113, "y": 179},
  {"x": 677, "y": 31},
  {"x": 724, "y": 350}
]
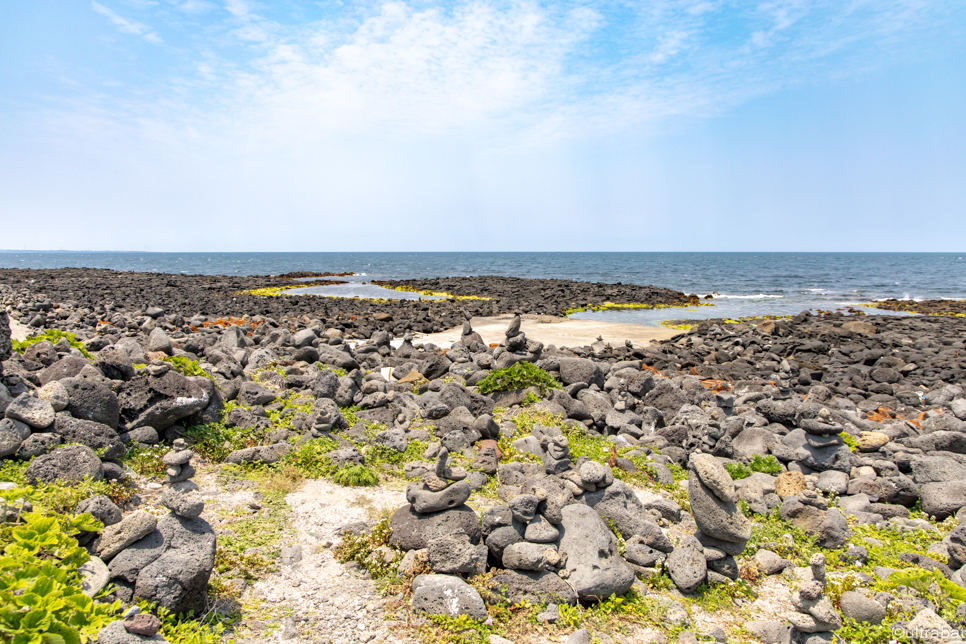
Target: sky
[{"x": 624, "y": 125}]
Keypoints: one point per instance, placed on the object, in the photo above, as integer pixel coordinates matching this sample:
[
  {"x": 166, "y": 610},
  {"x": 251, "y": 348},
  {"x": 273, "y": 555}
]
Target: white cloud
[{"x": 126, "y": 25}]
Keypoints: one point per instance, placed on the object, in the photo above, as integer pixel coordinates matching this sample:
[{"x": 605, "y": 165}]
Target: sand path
[{"x": 561, "y": 332}]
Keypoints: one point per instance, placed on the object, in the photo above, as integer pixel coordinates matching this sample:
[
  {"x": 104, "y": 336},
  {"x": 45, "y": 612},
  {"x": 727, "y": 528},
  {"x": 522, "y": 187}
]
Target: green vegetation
[
  {"x": 767, "y": 464},
  {"x": 355, "y": 476},
  {"x": 41, "y": 597},
  {"x": 146, "y": 461},
  {"x": 186, "y": 366},
  {"x": 185, "y": 629},
  {"x": 519, "y": 376},
  {"x": 368, "y": 550},
  {"x": 738, "y": 470},
  {"x": 53, "y": 336},
  {"x": 849, "y": 440}
]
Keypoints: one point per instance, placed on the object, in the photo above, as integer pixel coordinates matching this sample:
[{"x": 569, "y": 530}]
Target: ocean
[{"x": 743, "y": 284}]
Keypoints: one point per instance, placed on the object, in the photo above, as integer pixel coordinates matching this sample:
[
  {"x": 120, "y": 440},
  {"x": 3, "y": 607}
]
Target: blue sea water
[{"x": 743, "y": 283}]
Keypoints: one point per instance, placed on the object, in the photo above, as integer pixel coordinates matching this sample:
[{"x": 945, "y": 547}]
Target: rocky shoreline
[
  {"x": 101, "y": 292},
  {"x": 797, "y": 465}
]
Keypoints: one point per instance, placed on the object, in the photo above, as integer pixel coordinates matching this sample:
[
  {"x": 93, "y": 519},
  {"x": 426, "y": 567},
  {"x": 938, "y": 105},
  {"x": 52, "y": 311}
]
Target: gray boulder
[
  {"x": 69, "y": 464},
  {"x": 184, "y": 499},
  {"x": 6, "y": 344},
  {"x": 830, "y": 526},
  {"x": 252, "y": 393},
  {"x": 178, "y": 578},
  {"x": 446, "y": 595},
  {"x": 687, "y": 566},
  {"x": 861, "y": 608},
  {"x": 115, "y": 633},
  {"x": 532, "y": 587},
  {"x": 526, "y": 556},
  {"x": 618, "y": 505},
  {"x": 12, "y": 434},
  {"x": 941, "y": 500},
  {"x": 394, "y": 439},
  {"x": 716, "y": 518},
  {"x": 160, "y": 401},
  {"x": 66, "y": 367},
  {"x": 31, "y": 411},
  {"x": 97, "y": 436},
  {"x": 426, "y": 501},
  {"x": 55, "y": 393},
  {"x": 667, "y": 397},
  {"x": 596, "y": 569},
  {"x": 118, "y": 536},
  {"x": 36, "y": 445},
  {"x": 101, "y": 508},
  {"x": 91, "y": 400},
  {"x": 337, "y": 358},
  {"x": 158, "y": 340},
  {"x": 114, "y": 363},
  {"x": 573, "y": 370},
  {"x": 456, "y": 554},
  {"x": 409, "y": 530}
]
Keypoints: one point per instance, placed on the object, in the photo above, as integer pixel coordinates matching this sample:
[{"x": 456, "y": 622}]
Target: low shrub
[
  {"x": 53, "y": 336},
  {"x": 519, "y": 376}
]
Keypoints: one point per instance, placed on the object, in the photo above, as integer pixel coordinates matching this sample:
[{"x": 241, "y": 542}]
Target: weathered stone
[
  {"x": 456, "y": 554},
  {"x": 687, "y": 565},
  {"x": 532, "y": 587},
  {"x": 71, "y": 464},
  {"x": 426, "y": 501},
  {"x": 716, "y": 518},
  {"x": 409, "y": 530},
  {"x": 119, "y": 536},
  {"x": 446, "y": 595},
  {"x": 33, "y": 412},
  {"x": 595, "y": 568}
]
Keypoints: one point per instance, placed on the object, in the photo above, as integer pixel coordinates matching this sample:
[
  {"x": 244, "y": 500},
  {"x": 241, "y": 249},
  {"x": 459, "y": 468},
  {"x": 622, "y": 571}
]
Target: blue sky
[{"x": 193, "y": 125}]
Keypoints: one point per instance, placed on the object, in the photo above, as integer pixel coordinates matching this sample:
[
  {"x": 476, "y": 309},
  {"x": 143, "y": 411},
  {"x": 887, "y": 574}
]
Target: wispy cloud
[
  {"x": 126, "y": 25},
  {"x": 507, "y": 72}
]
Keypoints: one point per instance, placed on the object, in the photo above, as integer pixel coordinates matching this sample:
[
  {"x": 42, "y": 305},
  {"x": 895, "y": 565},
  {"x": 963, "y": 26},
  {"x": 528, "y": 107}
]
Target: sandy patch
[{"x": 561, "y": 332}]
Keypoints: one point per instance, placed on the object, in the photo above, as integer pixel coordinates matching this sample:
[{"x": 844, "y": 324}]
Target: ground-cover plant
[
  {"x": 355, "y": 476},
  {"x": 369, "y": 550},
  {"x": 146, "y": 461},
  {"x": 311, "y": 457},
  {"x": 770, "y": 532},
  {"x": 519, "y": 376},
  {"x": 41, "y": 597},
  {"x": 738, "y": 470},
  {"x": 185, "y": 629},
  {"x": 186, "y": 366},
  {"x": 765, "y": 464},
  {"x": 53, "y": 336}
]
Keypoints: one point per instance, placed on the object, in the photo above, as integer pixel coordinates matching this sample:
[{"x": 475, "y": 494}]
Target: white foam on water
[{"x": 756, "y": 296}]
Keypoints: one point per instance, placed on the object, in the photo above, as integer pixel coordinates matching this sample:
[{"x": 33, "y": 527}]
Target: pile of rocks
[
  {"x": 815, "y": 616},
  {"x": 722, "y": 533},
  {"x": 168, "y": 561},
  {"x": 865, "y": 418},
  {"x": 516, "y": 347}
]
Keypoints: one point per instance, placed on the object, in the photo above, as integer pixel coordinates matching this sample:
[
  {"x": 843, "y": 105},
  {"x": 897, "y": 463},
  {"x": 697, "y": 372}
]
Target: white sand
[{"x": 560, "y": 332}]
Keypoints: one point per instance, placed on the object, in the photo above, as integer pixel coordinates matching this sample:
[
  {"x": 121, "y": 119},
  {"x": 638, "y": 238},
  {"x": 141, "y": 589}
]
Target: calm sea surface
[{"x": 744, "y": 283}]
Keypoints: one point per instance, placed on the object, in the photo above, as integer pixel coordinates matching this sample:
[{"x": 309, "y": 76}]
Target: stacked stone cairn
[
  {"x": 722, "y": 533},
  {"x": 815, "y": 617},
  {"x": 516, "y": 347},
  {"x": 167, "y": 561}
]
